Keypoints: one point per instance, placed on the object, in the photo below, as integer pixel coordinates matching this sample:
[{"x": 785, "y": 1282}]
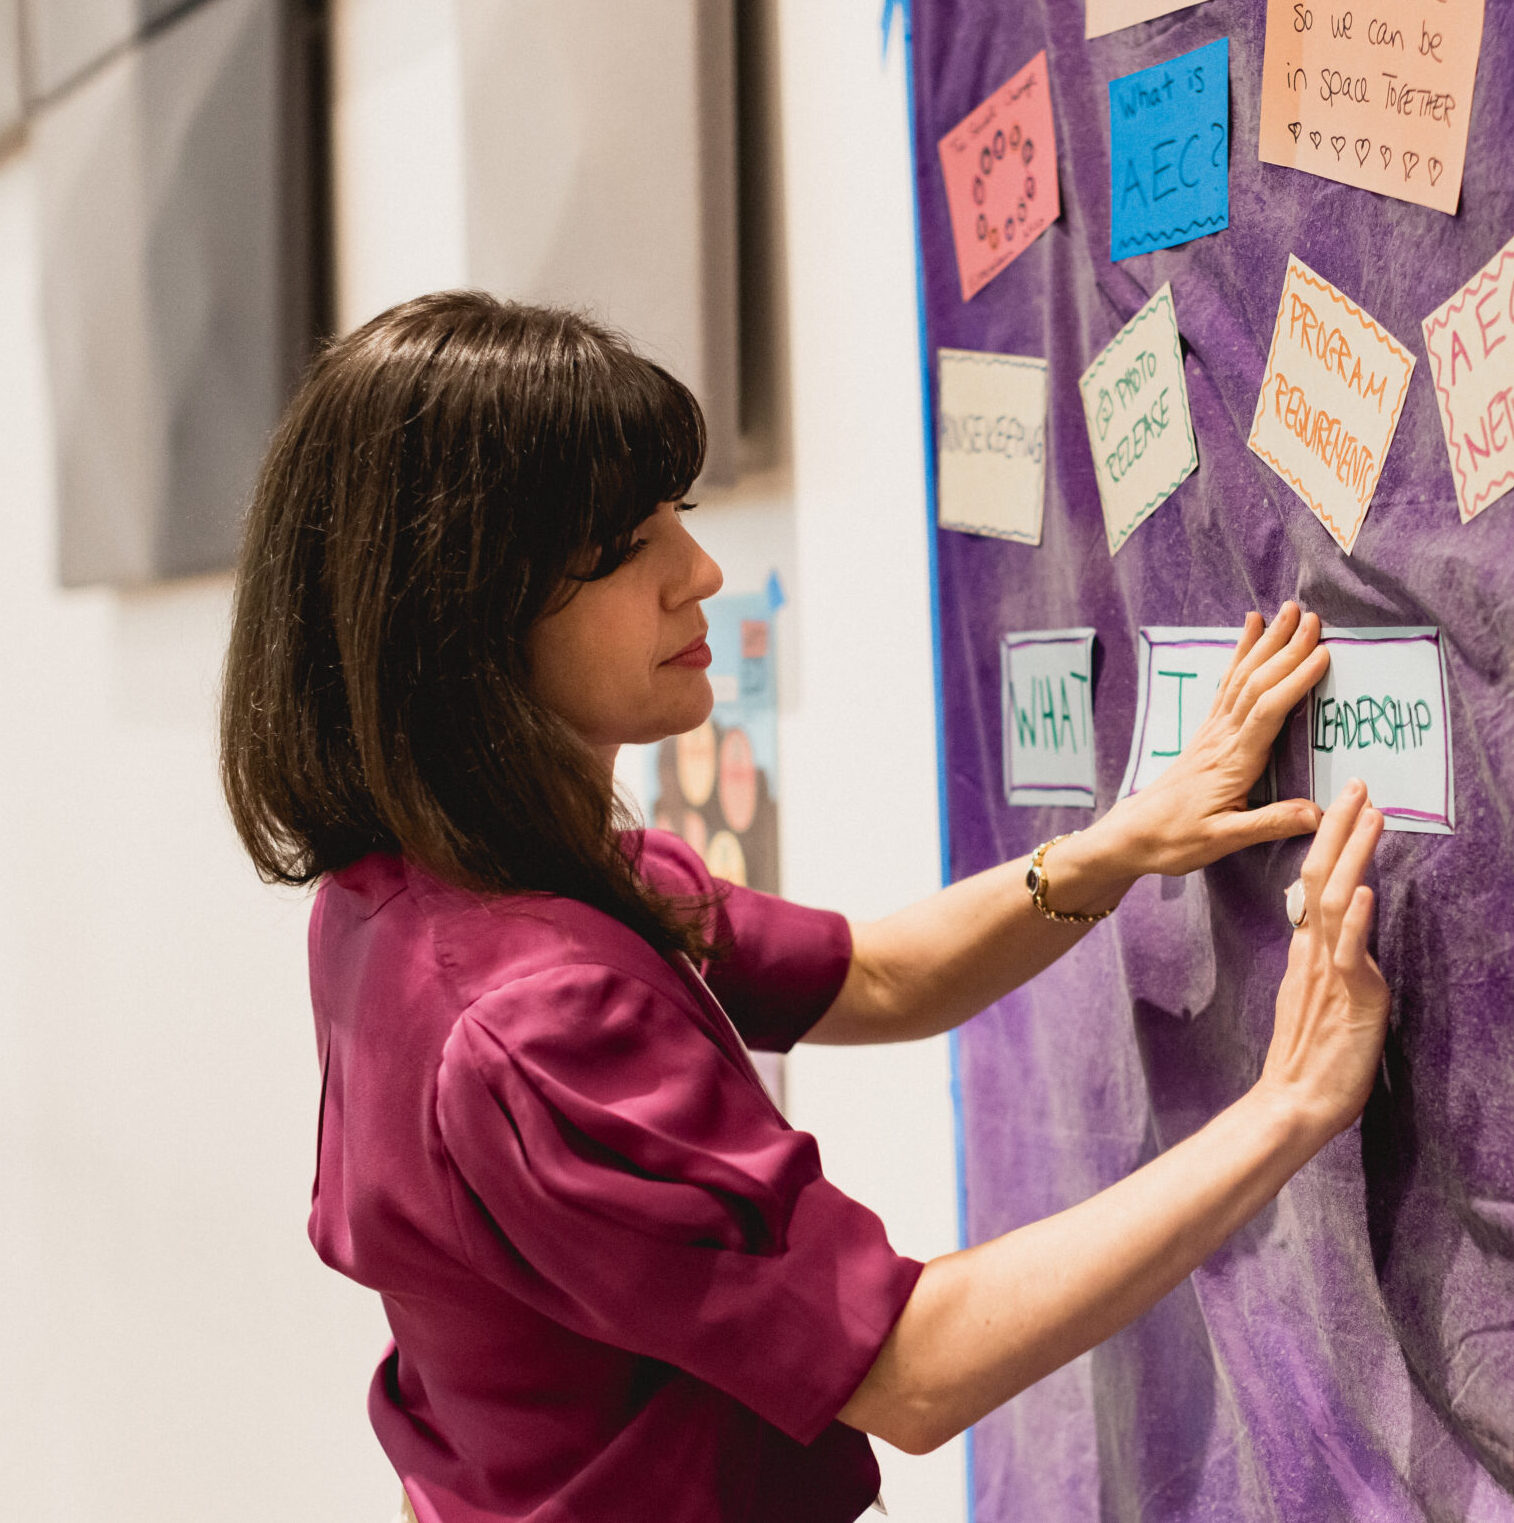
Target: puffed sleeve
[
  {"x": 782, "y": 964},
  {"x": 627, "y": 1176}
]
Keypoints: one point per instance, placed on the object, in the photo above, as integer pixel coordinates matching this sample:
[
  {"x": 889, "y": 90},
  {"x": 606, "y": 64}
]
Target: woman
[{"x": 620, "y": 1286}]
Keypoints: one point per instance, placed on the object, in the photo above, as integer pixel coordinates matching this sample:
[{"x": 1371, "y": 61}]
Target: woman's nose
[{"x": 702, "y": 577}]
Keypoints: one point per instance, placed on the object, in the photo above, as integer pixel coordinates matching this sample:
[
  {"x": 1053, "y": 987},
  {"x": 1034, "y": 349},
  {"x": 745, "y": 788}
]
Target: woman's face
[{"x": 623, "y": 661}]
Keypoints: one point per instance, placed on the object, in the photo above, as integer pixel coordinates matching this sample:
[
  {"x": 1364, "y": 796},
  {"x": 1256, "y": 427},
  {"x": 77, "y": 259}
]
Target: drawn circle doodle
[
  {"x": 736, "y": 785},
  {"x": 696, "y": 764},
  {"x": 1014, "y": 136},
  {"x": 993, "y": 237},
  {"x": 979, "y": 190},
  {"x": 1030, "y": 187},
  {"x": 1020, "y": 211},
  {"x": 982, "y": 226},
  {"x": 986, "y": 161},
  {"x": 1009, "y": 228},
  {"x": 725, "y": 858},
  {"x": 999, "y": 143},
  {"x": 1028, "y": 152}
]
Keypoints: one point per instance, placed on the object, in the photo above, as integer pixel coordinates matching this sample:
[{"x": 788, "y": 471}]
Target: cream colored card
[
  {"x": 991, "y": 444},
  {"x": 1101, "y": 16},
  {"x": 1330, "y": 401},
  {"x": 1135, "y": 402},
  {"x": 1472, "y": 368},
  {"x": 1374, "y": 96}
]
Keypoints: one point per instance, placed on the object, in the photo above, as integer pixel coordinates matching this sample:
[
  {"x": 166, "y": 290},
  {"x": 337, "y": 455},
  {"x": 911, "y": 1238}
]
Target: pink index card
[
  {"x": 1000, "y": 166},
  {"x": 1472, "y": 366}
]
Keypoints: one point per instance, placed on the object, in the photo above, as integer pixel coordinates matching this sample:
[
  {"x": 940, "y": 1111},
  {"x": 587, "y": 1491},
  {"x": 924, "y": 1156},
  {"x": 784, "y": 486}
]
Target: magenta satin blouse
[{"x": 619, "y": 1285}]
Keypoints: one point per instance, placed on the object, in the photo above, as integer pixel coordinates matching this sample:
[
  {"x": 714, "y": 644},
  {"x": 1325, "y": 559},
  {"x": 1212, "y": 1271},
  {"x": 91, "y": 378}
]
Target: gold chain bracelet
[{"x": 1040, "y": 886}]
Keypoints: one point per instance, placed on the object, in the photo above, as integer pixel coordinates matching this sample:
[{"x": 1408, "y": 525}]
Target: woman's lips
[{"x": 695, "y": 655}]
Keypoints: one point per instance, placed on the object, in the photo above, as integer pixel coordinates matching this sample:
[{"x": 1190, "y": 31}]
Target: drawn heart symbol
[
  {"x": 1295, "y": 128},
  {"x": 1435, "y": 167},
  {"x": 1337, "y": 143},
  {"x": 1410, "y": 160},
  {"x": 1314, "y": 138},
  {"x": 1387, "y": 154},
  {"x": 1363, "y": 148}
]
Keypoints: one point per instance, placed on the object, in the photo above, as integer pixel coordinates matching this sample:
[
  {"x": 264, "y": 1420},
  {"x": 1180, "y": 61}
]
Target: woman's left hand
[{"x": 1195, "y": 812}]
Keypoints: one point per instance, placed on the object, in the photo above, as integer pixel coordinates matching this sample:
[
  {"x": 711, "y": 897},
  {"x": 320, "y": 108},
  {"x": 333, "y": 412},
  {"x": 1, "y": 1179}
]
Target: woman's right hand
[{"x": 1332, "y": 1007}]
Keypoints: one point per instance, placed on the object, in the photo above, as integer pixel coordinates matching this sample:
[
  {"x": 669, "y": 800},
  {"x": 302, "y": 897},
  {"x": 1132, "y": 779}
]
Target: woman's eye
[
  {"x": 684, "y": 507},
  {"x": 633, "y": 550}
]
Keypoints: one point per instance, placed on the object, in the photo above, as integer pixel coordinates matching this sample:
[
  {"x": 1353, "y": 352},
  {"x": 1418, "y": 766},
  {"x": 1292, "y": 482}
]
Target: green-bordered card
[{"x": 1135, "y": 401}]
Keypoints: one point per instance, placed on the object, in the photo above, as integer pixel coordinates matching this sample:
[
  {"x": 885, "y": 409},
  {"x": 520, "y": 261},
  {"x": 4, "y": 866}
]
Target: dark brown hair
[{"x": 444, "y": 476}]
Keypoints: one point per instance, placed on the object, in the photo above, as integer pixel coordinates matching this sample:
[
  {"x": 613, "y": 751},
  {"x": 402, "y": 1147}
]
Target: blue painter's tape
[
  {"x": 775, "y": 593},
  {"x": 890, "y": 7}
]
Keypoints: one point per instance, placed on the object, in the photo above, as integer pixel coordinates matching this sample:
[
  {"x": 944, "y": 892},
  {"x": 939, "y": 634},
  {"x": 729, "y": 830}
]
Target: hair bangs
[{"x": 652, "y": 439}]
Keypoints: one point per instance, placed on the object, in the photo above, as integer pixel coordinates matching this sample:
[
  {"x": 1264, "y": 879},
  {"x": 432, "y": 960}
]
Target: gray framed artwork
[
  {"x": 12, "y": 99},
  {"x": 183, "y": 269}
]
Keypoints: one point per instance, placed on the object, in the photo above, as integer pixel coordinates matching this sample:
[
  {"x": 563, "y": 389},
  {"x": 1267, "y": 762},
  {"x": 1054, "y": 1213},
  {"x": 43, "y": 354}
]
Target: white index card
[
  {"x": 1178, "y": 672},
  {"x": 1047, "y": 690},
  {"x": 1382, "y": 714}
]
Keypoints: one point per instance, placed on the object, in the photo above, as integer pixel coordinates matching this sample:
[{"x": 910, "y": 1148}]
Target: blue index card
[
  {"x": 1169, "y": 152},
  {"x": 1047, "y": 691}
]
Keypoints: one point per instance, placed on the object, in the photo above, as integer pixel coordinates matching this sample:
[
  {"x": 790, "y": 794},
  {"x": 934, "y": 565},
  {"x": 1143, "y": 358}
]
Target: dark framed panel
[{"x": 181, "y": 188}]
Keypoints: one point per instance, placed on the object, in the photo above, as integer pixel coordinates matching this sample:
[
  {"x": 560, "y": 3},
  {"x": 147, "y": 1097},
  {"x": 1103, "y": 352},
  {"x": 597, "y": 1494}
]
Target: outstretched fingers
[
  {"x": 1230, "y": 683},
  {"x": 1349, "y": 870},
  {"x": 1277, "y": 684},
  {"x": 1330, "y": 841}
]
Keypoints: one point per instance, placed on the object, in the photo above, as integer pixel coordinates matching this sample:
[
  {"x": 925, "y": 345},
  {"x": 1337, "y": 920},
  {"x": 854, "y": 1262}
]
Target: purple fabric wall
[{"x": 1351, "y": 1354}]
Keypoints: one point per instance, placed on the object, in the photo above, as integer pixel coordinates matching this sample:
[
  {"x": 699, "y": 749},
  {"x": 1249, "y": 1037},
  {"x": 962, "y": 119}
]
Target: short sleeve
[
  {"x": 782, "y": 965},
  {"x": 627, "y": 1176}
]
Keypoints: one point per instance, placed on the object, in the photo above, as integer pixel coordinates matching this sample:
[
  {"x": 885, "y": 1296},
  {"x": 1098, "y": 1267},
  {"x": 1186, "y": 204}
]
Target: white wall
[{"x": 172, "y": 1350}]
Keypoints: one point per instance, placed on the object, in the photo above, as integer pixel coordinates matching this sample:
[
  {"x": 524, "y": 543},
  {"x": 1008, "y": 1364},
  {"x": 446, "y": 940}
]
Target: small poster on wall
[{"x": 717, "y": 786}]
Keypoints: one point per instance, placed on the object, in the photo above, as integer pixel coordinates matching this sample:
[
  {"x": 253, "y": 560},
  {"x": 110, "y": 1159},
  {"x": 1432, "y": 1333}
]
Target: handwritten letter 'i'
[
  {"x": 1375, "y": 96},
  {"x": 1472, "y": 366},
  {"x": 1330, "y": 402}
]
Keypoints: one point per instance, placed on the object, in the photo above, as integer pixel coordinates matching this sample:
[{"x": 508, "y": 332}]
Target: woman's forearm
[
  {"x": 985, "y": 1323},
  {"x": 933, "y": 965},
  {"x": 929, "y": 967}
]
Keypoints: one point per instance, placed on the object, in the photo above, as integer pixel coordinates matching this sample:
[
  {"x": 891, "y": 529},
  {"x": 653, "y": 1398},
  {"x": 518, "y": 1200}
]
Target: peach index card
[
  {"x": 1330, "y": 402},
  {"x": 1472, "y": 366},
  {"x": 1000, "y": 166},
  {"x": 1101, "y": 17},
  {"x": 1373, "y": 96}
]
